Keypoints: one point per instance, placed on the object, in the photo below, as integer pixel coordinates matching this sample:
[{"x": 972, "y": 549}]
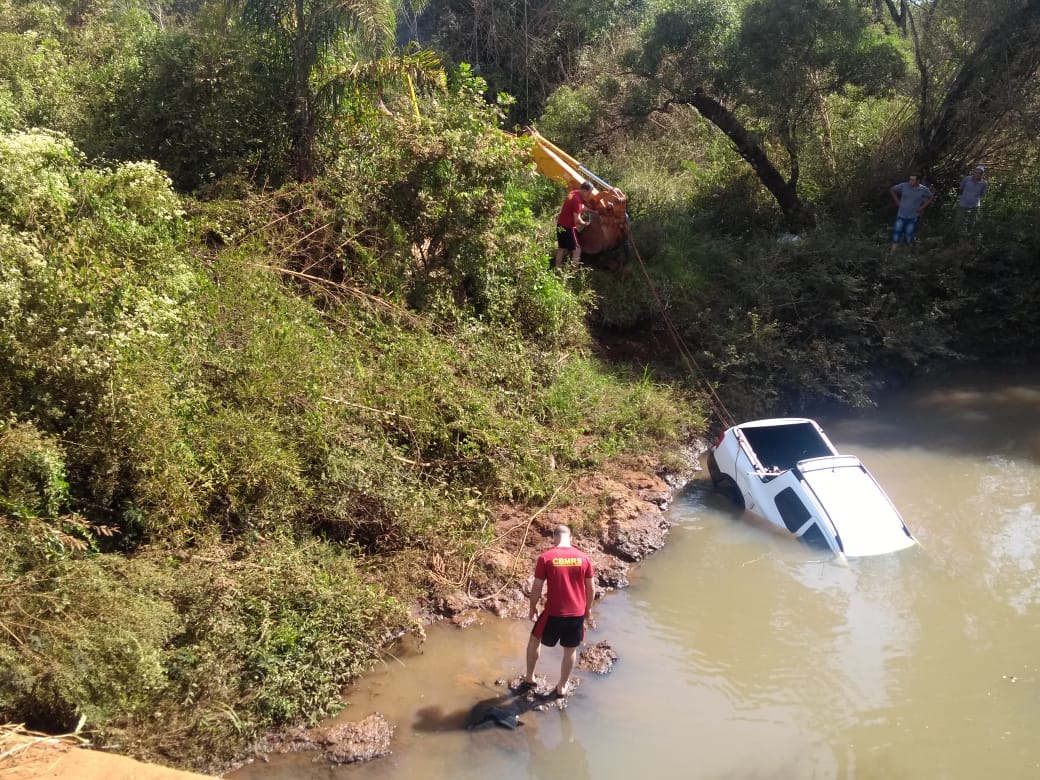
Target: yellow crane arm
[
  {"x": 555, "y": 163},
  {"x": 608, "y": 206}
]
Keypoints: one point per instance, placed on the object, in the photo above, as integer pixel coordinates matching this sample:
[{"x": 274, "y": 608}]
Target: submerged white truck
[{"x": 786, "y": 471}]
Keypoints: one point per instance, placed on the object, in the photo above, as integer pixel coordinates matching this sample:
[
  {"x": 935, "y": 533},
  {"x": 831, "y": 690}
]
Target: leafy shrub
[
  {"x": 143, "y": 649},
  {"x": 275, "y": 638},
  {"x": 33, "y": 87},
  {"x": 445, "y": 202},
  {"x": 110, "y": 286},
  {"x": 38, "y": 170},
  {"x": 204, "y": 107},
  {"x": 32, "y": 472},
  {"x": 619, "y": 411},
  {"x": 91, "y": 647}
]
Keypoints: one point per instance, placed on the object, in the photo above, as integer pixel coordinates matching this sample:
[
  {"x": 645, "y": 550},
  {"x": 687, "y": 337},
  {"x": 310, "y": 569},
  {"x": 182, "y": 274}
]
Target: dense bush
[
  {"x": 203, "y": 107},
  {"x": 188, "y": 657},
  {"x": 209, "y": 421}
]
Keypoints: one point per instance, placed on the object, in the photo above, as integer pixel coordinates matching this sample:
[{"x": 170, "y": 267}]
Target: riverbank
[{"x": 618, "y": 517}]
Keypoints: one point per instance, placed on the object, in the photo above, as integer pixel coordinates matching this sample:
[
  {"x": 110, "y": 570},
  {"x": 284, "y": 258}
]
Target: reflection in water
[
  {"x": 560, "y": 756},
  {"x": 1014, "y": 557},
  {"x": 743, "y": 655},
  {"x": 870, "y": 628}
]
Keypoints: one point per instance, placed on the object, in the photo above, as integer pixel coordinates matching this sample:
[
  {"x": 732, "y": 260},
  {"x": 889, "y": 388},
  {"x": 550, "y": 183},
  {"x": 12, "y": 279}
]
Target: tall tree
[
  {"x": 761, "y": 75},
  {"x": 526, "y": 48},
  {"x": 305, "y": 31},
  {"x": 997, "y": 79}
]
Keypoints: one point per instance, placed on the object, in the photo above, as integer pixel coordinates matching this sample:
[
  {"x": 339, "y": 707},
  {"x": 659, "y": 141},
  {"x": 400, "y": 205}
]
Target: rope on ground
[
  {"x": 523, "y": 542},
  {"x": 714, "y": 401}
]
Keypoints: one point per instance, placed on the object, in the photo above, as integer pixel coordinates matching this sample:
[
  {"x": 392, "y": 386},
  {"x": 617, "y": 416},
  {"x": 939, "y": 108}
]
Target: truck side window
[
  {"x": 791, "y": 509},
  {"x": 814, "y": 537}
]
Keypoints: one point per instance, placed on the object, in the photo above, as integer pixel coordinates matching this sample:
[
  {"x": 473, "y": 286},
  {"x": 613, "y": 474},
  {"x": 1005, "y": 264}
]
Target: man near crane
[{"x": 569, "y": 222}]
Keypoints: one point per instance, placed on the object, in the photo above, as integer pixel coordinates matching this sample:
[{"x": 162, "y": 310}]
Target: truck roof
[{"x": 862, "y": 514}]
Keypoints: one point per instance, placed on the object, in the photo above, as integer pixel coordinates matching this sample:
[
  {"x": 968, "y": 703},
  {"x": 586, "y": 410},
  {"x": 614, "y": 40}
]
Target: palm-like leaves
[
  {"x": 320, "y": 23},
  {"x": 308, "y": 31},
  {"x": 419, "y": 66}
]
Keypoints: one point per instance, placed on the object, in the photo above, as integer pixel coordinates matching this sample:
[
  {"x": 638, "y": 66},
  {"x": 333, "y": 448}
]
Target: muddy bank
[
  {"x": 340, "y": 743},
  {"x": 617, "y": 516}
]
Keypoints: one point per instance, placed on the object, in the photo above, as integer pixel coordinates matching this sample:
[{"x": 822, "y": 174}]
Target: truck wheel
[
  {"x": 713, "y": 470},
  {"x": 729, "y": 488},
  {"x": 724, "y": 483}
]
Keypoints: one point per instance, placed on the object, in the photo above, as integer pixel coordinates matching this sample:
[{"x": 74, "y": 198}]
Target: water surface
[{"x": 743, "y": 654}]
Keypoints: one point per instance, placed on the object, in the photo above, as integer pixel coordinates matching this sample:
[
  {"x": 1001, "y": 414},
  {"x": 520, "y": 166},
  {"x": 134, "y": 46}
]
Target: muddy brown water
[{"x": 743, "y": 654}]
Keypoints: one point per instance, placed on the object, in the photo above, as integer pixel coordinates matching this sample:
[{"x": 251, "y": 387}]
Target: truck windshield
[{"x": 780, "y": 447}]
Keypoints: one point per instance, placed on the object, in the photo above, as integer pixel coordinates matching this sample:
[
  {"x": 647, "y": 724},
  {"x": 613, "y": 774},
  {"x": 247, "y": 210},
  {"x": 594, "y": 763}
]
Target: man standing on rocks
[{"x": 566, "y": 572}]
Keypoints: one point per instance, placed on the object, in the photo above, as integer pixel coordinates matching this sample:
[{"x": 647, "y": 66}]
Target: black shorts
[
  {"x": 568, "y": 631},
  {"x": 566, "y": 238}
]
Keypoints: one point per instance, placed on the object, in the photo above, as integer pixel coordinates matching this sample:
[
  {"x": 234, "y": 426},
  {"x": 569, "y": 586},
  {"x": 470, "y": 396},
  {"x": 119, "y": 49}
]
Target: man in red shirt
[
  {"x": 568, "y": 222},
  {"x": 567, "y": 572}
]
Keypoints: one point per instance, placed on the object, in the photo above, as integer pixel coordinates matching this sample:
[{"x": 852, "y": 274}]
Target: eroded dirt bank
[{"x": 617, "y": 517}]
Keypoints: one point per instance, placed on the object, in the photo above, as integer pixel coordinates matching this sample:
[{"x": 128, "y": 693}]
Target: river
[{"x": 743, "y": 654}]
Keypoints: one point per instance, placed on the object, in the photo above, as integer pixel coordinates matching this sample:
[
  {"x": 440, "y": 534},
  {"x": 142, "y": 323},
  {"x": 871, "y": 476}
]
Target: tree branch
[{"x": 783, "y": 192}]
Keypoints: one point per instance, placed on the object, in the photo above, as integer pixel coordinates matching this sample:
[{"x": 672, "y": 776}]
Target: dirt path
[{"x": 28, "y": 756}]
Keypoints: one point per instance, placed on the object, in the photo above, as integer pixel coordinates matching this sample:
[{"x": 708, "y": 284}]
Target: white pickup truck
[{"x": 786, "y": 471}]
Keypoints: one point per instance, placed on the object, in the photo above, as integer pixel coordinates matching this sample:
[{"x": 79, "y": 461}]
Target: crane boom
[{"x": 609, "y": 206}]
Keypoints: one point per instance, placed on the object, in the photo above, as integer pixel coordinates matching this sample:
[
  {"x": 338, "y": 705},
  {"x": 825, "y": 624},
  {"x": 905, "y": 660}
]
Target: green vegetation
[
  {"x": 233, "y": 431},
  {"x": 277, "y": 330}
]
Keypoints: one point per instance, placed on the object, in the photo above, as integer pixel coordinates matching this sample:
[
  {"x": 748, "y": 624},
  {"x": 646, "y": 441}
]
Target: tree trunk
[
  {"x": 303, "y": 140},
  {"x": 924, "y": 98},
  {"x": 303, "y": 130},
  {"x": 784, "y": 192},
  {"x": 898, "y": 15},
  {"x": 827, "y": 139}
]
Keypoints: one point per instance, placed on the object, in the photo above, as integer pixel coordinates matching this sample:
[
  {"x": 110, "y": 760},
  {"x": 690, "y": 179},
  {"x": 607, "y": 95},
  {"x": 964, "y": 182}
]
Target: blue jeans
[{"x": 904, "y": 228}]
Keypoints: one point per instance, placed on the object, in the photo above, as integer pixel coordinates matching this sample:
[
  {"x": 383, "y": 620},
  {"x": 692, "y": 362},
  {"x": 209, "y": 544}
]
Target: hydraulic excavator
[{"x": 609, "y": 225}]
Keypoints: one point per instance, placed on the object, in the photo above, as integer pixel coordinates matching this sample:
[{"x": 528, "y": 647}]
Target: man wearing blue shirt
[{"x": 912, "y": 198}]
